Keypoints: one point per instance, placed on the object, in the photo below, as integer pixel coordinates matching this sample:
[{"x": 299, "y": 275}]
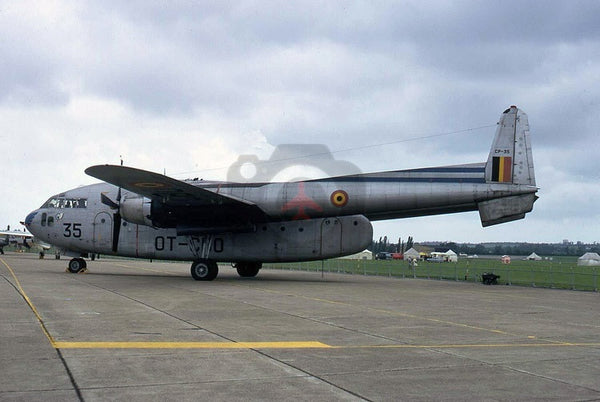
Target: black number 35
[{"x": 72, "y": 229}]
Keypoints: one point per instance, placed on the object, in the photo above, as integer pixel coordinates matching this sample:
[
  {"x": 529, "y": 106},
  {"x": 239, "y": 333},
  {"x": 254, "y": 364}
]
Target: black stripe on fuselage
[
  {"x": 359, "y": 179},
  {"x": 449, "y": 169},
  {"x": 445, "y": 174},
  {"x": 470, "y": 174}
]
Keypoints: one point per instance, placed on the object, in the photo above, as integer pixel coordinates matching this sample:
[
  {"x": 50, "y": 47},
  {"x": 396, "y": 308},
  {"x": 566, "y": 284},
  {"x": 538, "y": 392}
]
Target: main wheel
[
  {"x": 204, "y": 270},
  {"x": 76, "y": 265},
  {"x": 248, "y": 269}
]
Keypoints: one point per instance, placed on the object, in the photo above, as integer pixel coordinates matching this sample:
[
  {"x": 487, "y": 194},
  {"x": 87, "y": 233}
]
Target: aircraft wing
[
  {"x": 191, "y": 209},
  {"x": 11, "y": 236},
  {"x": 156, "y": 186},
  {"x": 15, "y": 234}
]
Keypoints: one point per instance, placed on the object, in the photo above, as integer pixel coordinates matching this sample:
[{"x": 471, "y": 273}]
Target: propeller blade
[
  {"x": 116, "y": 231},
  {"x": 116, "y": 217},
  {"x": 107, "y": 201}
]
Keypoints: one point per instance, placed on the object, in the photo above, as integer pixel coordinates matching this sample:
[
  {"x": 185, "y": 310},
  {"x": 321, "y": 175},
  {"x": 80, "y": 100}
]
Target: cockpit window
[{"x": 61, "y": 202}]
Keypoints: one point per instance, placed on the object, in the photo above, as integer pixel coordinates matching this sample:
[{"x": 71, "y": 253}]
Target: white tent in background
[
  {"x": 534, "y": 257},
  {"x": 363, "y": 255},
  {"x": 411, "y": 253},
  {"x": 451, "y": 256},
  {"x": 589, "y": 259}
]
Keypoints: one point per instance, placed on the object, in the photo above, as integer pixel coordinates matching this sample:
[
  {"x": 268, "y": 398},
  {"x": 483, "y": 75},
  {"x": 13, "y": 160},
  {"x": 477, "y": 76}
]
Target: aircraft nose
[{"x": 29, "y": 218}]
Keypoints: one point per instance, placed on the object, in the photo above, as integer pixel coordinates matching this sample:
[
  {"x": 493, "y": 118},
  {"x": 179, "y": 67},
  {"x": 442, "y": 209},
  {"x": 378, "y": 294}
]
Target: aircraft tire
[
  {"x": 204, "y": 270},
  {"x": 248, "y": 269},
  {"x": 76, "y": 265}
]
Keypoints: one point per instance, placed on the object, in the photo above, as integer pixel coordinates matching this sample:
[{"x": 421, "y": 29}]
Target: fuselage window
[
  {"x": 50, "y": 221},
  {"x": 44, "y": 216}
]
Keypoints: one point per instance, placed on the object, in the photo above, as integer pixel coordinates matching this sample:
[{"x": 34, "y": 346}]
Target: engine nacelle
[{"x": 137, "y": 210}]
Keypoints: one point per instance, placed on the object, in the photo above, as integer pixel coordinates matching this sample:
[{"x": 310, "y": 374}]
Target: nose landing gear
[{"x": 204, "y": 270}]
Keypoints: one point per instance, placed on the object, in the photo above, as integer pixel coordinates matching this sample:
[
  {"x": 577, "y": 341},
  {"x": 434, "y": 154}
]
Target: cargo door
[
  {"x": 103, "y": 232},
  {"x": 331, "y": 237}
]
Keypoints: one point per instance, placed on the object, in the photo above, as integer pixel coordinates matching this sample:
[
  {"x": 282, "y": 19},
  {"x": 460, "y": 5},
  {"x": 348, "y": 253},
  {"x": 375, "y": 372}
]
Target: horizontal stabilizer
[{"x": 506, "y": 209}]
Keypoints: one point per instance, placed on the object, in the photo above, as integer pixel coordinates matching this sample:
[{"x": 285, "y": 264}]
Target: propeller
[{"x": 116, "y": 217}]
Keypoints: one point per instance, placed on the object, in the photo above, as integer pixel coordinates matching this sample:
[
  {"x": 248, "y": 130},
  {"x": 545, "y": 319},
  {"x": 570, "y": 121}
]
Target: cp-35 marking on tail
[{"x": 137, "y": 213}]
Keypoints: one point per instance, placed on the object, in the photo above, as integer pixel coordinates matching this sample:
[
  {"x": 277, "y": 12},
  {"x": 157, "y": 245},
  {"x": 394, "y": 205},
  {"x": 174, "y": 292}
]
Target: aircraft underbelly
[{"x": 300, "y": 240}]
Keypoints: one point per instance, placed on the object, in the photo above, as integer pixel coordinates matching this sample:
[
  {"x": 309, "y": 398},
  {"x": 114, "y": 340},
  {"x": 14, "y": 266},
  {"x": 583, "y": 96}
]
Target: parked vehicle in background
[{"x": 383, "y": 256}]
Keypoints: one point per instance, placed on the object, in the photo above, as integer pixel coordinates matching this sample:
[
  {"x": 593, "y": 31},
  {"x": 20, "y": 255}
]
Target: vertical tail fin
[{"x": 510, "y": 159}]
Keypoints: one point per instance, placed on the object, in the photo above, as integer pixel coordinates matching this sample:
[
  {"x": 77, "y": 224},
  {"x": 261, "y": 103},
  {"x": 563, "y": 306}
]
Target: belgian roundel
[{"x": 339, "y": 198}]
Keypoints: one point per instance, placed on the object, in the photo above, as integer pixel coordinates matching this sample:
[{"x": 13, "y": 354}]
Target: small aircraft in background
[
  {"x": 137, "y": 213},
  {"x": 14, "y": 237},
  {"x": 20, "y": 239}
]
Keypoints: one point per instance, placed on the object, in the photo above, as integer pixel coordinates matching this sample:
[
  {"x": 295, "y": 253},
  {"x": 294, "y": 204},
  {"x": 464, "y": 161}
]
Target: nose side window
[
  {"x": 44, "y": 216},
  {"x": 50, "y": 221}
]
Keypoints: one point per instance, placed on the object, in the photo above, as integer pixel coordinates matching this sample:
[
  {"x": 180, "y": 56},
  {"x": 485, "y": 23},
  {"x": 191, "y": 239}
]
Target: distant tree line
[
  {"x": 546, "y": 249},
  {"x": 512, "y": 248},
  {"x": 383, "y": 245}
]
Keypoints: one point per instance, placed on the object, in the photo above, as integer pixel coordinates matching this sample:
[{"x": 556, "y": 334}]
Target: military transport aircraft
[{"x": 138, "y": 213}]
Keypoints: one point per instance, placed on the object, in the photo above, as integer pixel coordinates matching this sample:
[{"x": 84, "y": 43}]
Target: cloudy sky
[{"x": 187, "y": 87}]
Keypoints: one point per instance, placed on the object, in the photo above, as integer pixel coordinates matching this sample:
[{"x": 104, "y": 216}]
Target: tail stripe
[{"x": 502, "y": 169}]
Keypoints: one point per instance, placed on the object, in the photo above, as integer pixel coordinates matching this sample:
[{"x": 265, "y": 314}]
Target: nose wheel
[
  {"x": 204, "y": 270},
  {"x": 76, "y": 265}
]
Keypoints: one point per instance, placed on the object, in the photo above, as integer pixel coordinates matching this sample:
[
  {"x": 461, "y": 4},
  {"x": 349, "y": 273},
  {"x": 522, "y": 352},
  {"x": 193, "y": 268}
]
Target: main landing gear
[
  {"x": 247, "y": 269},
  {"x": 76, "y": 265},
  {"x": 207, "y": 270},
  {"x": 204, "y": 270}
]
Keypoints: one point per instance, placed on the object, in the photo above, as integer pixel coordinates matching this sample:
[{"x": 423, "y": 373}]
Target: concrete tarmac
[{"x": 139, "y": 331}]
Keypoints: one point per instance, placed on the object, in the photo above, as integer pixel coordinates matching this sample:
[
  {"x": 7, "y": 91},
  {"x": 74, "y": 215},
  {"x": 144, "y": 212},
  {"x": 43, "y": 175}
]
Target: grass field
[{"x": 560, "y": 272}]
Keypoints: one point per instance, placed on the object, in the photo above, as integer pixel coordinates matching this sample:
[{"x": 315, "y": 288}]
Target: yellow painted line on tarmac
[
  {"x": 29, "y": 303},
  {"x": 157, "y": 345},
  {"x": 302, "y": 345},
  {"x": 472, "y": 346},
  {"x": 191, "y": 345}
]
